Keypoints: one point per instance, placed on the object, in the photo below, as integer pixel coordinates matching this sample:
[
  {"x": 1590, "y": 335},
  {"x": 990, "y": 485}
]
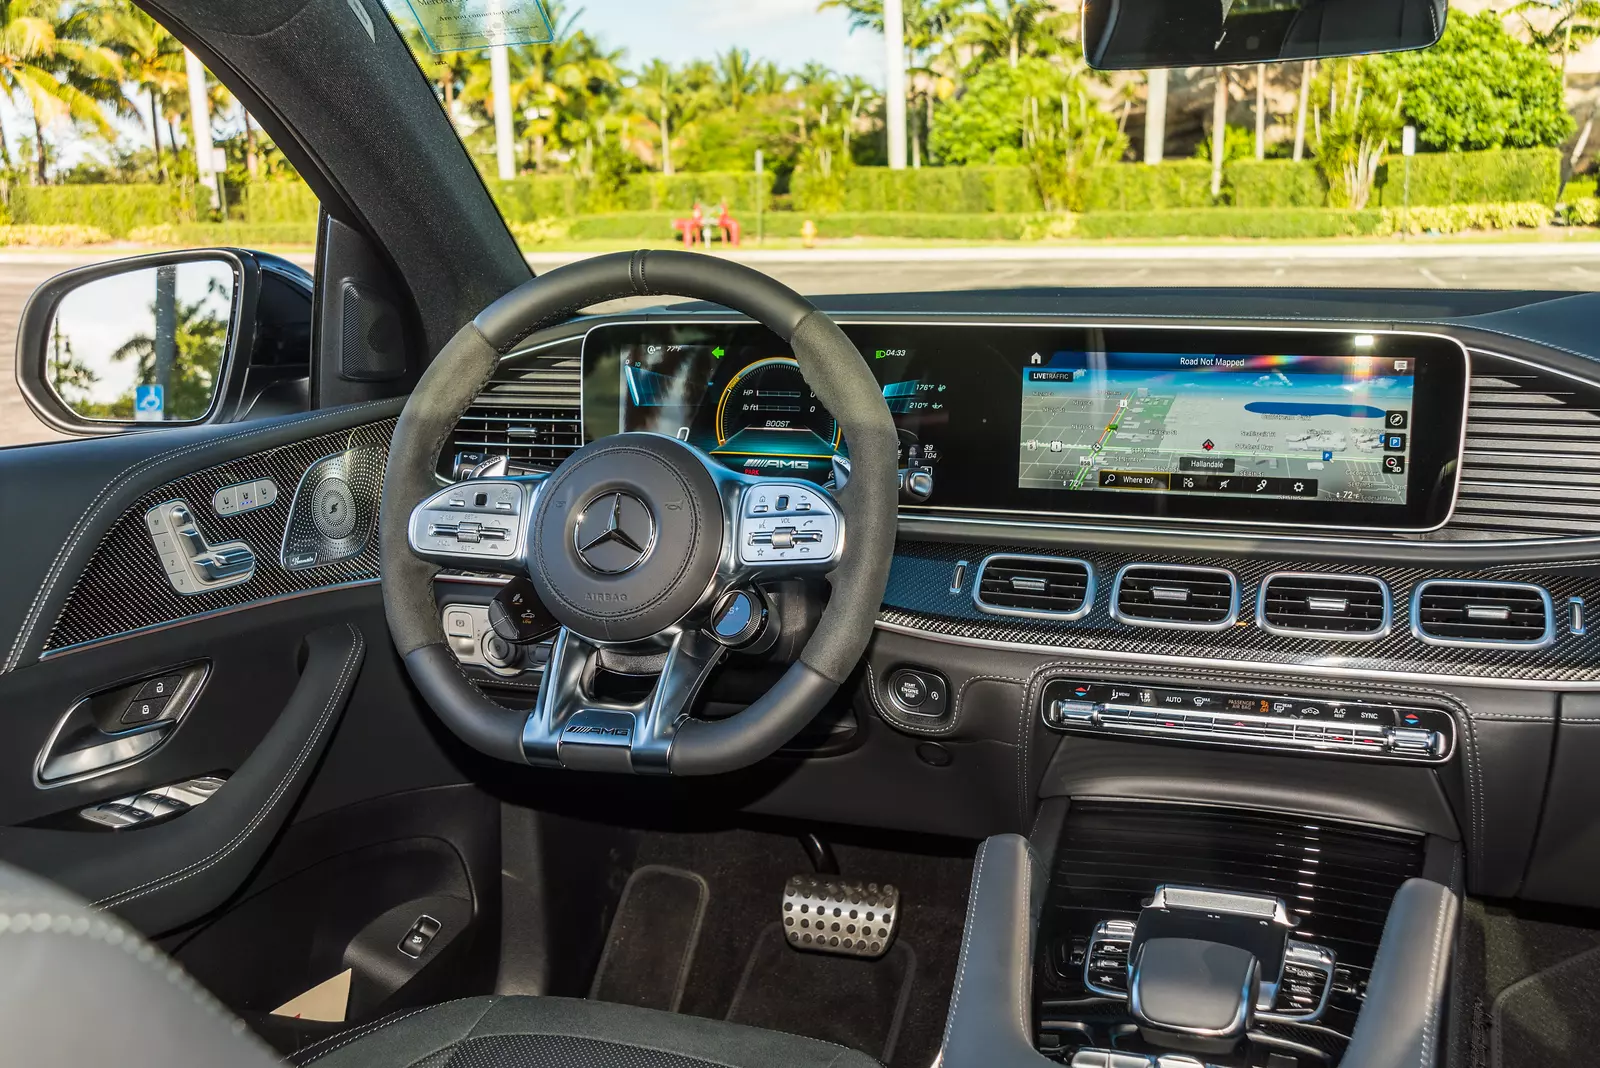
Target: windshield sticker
[{"x": 457, "y": 25}]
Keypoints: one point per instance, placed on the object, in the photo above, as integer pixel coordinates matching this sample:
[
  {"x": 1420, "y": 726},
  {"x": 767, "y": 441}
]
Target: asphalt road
[{"x": 1574, "y": 266}]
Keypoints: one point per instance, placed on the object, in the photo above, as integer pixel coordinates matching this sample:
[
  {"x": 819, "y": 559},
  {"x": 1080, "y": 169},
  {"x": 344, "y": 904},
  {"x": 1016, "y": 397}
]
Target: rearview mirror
[{"x": 1145, "y": 34}]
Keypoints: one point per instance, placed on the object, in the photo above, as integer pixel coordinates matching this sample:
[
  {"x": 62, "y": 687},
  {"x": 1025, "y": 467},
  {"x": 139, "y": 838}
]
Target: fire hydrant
[{"x": 808, "y": 234}]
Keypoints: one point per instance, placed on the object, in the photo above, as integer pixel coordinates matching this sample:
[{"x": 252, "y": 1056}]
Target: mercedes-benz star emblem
[{"x": 615, "y": 532}]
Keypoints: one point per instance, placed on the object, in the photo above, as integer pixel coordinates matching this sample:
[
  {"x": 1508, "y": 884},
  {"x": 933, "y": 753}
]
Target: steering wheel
[{"x": 639, "y": 545}]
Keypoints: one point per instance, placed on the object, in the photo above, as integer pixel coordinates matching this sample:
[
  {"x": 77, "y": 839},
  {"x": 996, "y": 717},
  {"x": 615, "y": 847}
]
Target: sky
[{"x": 789, "y": 32}]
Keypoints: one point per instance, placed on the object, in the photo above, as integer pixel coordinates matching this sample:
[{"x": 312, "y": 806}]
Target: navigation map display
[
  {"x": 1328, "y": 428},
  {"x": 1308, "y": 427}
]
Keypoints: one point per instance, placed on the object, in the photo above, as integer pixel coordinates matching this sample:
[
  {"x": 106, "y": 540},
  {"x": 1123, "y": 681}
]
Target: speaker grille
[{"x": 371, "y": 345}]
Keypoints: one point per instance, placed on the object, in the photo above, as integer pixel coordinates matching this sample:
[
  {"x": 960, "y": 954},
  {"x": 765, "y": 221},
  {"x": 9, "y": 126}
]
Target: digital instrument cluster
[{"x": 1272, "y": 426}]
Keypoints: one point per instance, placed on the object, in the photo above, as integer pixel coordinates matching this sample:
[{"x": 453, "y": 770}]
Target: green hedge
[
  {"x": 279, "y": 202},
  {"x": 564, "y": 196},
  {"x": 1497, "y": 176},
  {"x": 1274, "y": 183},
  {"x": 968, "y": 226},
  {"x": 1230, "y": 222},
  {"x": 116, "y": 209},
  {"x": 237, "y": 234},
  {"x": 1147, "y": 187},
  {"x": 954, "y": 190}
]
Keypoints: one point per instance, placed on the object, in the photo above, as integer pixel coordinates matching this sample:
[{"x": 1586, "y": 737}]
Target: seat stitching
[
  {"x": 81, "y": 527},
  {"x": 966, "y": 942},
  {"x": 173, "y": 878},
  {"x": 689, "y": 1056},
  {"x": 1433, "y": 972},
  {"x": 361, "y": 1033},
  {"x": 109, "y": 933},
  {"x": 383, "y": 1022}
]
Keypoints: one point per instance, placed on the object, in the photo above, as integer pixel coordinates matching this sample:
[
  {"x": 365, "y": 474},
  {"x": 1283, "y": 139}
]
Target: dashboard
[{"x": 1279, "y": 427}]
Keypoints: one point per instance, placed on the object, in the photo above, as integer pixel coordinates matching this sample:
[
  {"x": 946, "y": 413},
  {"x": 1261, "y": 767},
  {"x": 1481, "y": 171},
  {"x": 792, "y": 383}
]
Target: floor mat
[
  {"x": 847, "y": 1000},
  {"x": 650, "y": 949},
  {"x": 747, "y": 870},
  {"x": 1549, "y": 1020}
]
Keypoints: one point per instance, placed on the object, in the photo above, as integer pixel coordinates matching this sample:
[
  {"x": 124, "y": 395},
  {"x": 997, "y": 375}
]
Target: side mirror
[{"x": 148, "y": 341}]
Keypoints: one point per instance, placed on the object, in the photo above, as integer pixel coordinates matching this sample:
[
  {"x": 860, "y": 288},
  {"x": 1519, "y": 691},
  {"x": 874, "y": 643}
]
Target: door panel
[{"x": 88, "y": 608}]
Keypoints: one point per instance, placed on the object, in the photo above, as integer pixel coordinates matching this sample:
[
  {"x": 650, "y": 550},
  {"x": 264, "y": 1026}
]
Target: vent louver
[
  {"x": 529, "y": 413},
  {"x": 1509, "y": 614},
  {"x": 1337, "y": 879},
  {"x": 1049, "y": 586},
  {"x": 1166, "y": 595},
  {"x": 1324, "y": 606}
]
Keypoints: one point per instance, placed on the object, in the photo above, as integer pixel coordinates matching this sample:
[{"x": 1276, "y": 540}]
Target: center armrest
[{"x": 990, "y": 1022}]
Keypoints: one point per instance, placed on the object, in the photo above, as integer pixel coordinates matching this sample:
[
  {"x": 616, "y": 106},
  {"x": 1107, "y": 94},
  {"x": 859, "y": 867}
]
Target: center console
[{"x": 1161, "y": 935}]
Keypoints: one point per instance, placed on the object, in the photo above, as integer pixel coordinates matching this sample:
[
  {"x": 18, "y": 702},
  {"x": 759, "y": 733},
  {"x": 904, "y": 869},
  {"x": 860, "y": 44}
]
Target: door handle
[{"x": 119, "y": 725}]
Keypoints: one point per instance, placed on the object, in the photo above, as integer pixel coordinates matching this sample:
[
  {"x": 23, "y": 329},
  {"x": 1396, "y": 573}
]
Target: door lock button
[
  {"x": 143, "y": 711},
  {"x": 163, "y": 687}
]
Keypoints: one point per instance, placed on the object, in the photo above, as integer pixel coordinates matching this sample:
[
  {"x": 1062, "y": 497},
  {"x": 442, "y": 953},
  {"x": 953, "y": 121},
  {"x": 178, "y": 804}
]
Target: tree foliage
[{"x": 1480, "y": 87}]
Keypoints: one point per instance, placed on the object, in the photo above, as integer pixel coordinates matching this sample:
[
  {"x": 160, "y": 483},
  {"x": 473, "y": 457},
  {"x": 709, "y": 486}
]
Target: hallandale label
[{"x": 457, "y": 25}]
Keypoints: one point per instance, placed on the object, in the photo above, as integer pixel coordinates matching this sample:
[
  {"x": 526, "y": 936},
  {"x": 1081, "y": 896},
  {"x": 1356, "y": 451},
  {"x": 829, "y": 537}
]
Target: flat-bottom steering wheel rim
[{"x": 831, "y": 366}]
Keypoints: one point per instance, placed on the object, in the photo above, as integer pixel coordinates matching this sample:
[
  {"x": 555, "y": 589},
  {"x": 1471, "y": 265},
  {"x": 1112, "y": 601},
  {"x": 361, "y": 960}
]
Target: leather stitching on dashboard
[
  {"x": 81, "y": 527},
  {"x": 335, "y": 701},
  {"x": 887, "y": 711},
  {"x": 966, "y": 943}
]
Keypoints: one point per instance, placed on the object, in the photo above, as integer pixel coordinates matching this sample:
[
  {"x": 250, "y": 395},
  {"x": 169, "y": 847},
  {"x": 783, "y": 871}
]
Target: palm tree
[
  {"x": 1014, "y": 28},
  {"x": 559, "y": 89},
  {"x": 152, "y": 61},
  {"x": 662, "y": 97},
  {"x": 736, "y": 77},
  {"x": 1560, "y": 27},
  {"x": 55, "y": 66},
  {"x": 930, "y": 43}
]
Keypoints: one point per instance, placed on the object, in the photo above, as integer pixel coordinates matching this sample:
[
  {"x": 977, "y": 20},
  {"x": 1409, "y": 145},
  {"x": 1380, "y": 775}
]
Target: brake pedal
[{"x": 844, "y": 916}]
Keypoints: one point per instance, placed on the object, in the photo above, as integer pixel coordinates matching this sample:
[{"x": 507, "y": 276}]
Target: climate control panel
[{"x": 1321, "y": 725}]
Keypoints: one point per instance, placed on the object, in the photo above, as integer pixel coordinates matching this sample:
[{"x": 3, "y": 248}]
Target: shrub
[
  {"x": 976, "y": 226},
  {"x": 237, "y": 234},
  {"x": 1496, "y": 176},
  {"x": 280, "y": 202},
  {"x": 1454, "y": 218},
  {"x": 116, "y": 209},
  {"x": 565, "y": 196},
  {"x": 1579, "y": 187},
  {"x": 1147, "y": 187},
  {"x": 1585, "y": 212},
  {"x": 51, "y": 236},
  {"x": 951, "y": 189},
  {"x": 1274, "y": 183},
  {"x": 1230, "y": 222}
]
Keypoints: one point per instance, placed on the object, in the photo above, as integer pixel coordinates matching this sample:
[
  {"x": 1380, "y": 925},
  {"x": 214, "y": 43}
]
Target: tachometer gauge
[{"x": 768, "y": 410}]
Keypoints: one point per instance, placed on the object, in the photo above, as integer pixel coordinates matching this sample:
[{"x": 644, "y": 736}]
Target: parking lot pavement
[{"x": 1420, "y": 265}]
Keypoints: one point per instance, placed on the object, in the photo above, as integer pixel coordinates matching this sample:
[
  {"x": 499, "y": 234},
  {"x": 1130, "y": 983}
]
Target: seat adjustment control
[{"x": 193, "y": 565}]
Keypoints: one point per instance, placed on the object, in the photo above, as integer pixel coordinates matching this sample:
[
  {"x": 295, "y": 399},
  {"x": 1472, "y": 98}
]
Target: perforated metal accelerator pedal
[{"x": 833, "y": 915}]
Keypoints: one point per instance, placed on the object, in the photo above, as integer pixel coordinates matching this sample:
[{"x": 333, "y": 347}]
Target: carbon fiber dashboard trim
[
  {"x": 123, "y": 588},
  {"x": 920, "y": 601}
]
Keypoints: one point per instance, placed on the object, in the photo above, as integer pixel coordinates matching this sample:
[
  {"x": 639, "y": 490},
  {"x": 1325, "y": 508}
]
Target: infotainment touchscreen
[
  {"x": 1333, "y": 429},
  {"x": 1327, "y": 428}
]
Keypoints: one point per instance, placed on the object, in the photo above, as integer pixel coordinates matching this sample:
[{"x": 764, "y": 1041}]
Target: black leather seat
[{"x": 80, "y": 989}]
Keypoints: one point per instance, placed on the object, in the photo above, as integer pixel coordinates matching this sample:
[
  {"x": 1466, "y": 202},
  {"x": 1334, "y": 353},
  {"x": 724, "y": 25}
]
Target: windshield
[{"x": 984, "y": 152}]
